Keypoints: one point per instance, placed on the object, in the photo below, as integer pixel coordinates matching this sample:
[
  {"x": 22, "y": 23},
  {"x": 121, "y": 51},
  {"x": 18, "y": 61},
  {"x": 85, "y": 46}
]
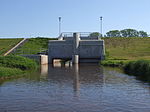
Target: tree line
[{"x": 122, "y": 33}]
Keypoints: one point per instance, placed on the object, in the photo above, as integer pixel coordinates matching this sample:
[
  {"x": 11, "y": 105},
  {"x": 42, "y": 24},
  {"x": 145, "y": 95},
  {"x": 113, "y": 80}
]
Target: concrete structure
[{"x": 76, "y": 47}]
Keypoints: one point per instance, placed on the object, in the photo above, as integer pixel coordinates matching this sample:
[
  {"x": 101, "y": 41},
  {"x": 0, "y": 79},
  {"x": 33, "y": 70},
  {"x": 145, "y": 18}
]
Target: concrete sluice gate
[{"x": 76, "y": 47}]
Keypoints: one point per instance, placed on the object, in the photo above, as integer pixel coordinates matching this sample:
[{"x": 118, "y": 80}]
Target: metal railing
[
  {"x": 70, "y": 34},
  {"x": 30, "y": 51}
]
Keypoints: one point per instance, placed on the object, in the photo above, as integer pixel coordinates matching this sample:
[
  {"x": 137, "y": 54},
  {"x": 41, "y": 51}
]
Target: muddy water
[{"x": 83, "y": 88}]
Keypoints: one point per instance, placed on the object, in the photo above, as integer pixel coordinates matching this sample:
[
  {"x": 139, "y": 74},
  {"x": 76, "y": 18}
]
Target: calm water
[{"x": 84, "y": 88}]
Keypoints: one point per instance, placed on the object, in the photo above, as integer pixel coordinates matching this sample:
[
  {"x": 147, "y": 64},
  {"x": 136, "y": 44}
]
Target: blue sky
[{"x": 32, "y": 18}]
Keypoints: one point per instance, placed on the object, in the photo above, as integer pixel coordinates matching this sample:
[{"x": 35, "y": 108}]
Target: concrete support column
[
  {"x": 103, "y": 52},
  {"x": 75, "y": 59},
  {"x": 75, "y": 56},
  {"x": 60, "y": 37},
  {"x": 50, "y": 59},
  {"x": 44, "y": 59}
]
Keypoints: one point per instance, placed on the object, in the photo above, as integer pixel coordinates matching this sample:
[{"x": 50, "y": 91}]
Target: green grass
[
  {"x": 6, "y": 44},
  {"x": 34, "y": 46},
  {"x": 140, "y": 68},
  {"x": 9, "y": 72},
  {"x": 128, "y": 48},
  {"x": 15, "y": 65},
  {"x": 17, "y": 62},
  {"x": 131, "y": 54},
  {"x": 114, "y": 63}
]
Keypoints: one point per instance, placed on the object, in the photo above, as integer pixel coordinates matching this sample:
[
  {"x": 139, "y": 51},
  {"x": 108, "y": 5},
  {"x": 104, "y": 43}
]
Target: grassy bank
[
  {"x": 10, "y": 72},
  {"x": 131, "y": 54},
  {"x": 15, "y": 65},
  {"x": 114, "y": 62},
  {"x": 120, "y": 51},
  {"x": 34, "y": 46},
  {"x": 140, "y": 68},
  {"x": 6, "y": 44},
  {"x": 128, "y": 48}
]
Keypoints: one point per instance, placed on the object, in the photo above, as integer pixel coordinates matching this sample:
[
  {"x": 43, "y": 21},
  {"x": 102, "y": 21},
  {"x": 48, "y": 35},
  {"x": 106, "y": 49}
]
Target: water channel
[{"x": 80, "y": 88}]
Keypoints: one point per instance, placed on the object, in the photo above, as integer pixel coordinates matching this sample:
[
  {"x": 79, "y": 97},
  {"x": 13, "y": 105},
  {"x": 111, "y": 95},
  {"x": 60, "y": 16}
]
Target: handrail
[
  {"x": 16, "y": 46},
  {"x": 70, "y": 34}
]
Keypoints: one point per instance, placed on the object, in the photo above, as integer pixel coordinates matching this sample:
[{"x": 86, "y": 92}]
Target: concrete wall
[
  {"x": 84, "y": 48},
  {"x": 60, "y": 49},
  {"x": 91, "y": 49}
]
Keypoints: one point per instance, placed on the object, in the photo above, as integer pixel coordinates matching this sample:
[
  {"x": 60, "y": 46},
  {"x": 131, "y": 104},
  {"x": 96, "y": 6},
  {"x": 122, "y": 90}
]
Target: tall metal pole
[
  {"x": 59, "y": 26},
  {"x": 101, "y": 26}
]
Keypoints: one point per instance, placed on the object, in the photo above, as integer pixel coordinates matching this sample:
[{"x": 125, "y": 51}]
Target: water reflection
[
  {"x": 76, "y": 75},
  {"x": 44, "y": 70},
  {"x": 76, "y": 82},
  {"x": 77, "y": 88}
]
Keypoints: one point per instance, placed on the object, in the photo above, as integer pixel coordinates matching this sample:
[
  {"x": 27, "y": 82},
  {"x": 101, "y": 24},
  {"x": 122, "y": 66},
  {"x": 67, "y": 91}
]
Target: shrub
[
  {"x": 6, "y": 72},
  {"x": 140, "y": 68},
  {"x": 17, "y": 62},
  {"x": 113, "y": 63}
]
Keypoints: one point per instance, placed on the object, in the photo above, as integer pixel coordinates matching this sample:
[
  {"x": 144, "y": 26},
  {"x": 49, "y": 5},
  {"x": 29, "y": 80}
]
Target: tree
[
  {"x": 95, "y": 34},
  {"x": 129, "y": 33},
  {"x": 143, "y": 34},
  {"x": 113, "y": 33}
]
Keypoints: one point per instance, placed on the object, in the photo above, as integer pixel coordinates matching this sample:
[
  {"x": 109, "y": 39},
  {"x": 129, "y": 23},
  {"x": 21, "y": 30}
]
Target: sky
[{"x": 33, "y": 18}]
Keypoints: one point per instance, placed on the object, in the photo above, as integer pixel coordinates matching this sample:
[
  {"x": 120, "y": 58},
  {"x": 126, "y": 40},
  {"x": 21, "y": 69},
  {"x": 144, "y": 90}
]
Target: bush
[
  {"x": 17, "y": 62},
  {"x": 7, "y": 72},
  {"x": 140, "y": 68},
  {"x": 113, "y": 63}
]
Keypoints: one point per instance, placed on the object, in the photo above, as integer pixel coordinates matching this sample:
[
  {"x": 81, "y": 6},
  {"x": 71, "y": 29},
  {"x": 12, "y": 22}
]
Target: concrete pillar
[
  {"x": 103, "y": 51},
  {"x": 75, "y": 59},
  {"x": 60, "y": 37},
  {"x": 44, "y": 59},
  {"x": 50, "y": 59},
  {"x": 75, "y": 56}
]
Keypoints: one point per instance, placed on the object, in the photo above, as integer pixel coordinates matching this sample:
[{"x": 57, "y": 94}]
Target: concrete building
[{"x": 78, "y": 47}]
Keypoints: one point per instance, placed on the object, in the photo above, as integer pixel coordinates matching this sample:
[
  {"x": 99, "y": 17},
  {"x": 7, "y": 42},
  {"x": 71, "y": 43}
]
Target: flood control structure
[{"x": 77, "y": 47}]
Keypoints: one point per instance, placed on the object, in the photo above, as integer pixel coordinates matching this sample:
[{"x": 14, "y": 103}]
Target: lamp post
[
  {"x": 101, "y": 26},
  {"x": 59, "y": 26}
]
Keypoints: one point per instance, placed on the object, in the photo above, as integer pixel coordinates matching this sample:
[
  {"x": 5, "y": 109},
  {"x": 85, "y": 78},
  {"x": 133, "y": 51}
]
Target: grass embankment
[
  {"x": 11, "y": 66},
  {"x": 120, "y": 51},
  {"x": 34, "y": 46},
  {"x": 6, "y": 44},
  {"x": 128, "y": 48},
  {"x": 132, "y": 54}
]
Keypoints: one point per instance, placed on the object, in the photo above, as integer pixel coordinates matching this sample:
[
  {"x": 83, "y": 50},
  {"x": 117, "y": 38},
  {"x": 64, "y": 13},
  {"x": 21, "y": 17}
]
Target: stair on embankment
[{"x": 13, "y": 49}]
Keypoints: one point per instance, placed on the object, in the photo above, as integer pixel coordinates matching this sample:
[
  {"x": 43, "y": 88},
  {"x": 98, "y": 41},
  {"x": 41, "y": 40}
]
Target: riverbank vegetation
[
  {"x": 132, "y": 54},
  {"x": 15, "y": 65},
  {"x": 140, "y": 68},
  {"x": 6, "y": 44}
]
